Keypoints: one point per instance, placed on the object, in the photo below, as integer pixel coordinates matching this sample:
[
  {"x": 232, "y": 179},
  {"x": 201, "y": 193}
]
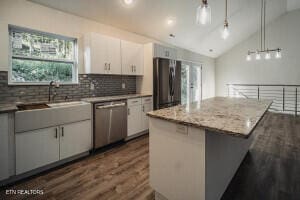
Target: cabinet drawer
[
  {"x": 146, "y": 100},
  {"x": 133, "y": 102}
]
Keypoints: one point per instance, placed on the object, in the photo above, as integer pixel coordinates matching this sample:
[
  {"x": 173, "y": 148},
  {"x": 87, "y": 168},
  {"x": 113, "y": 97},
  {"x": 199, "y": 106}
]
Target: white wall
[
  {"x": 284, "y": 32},
  {"x": 27, "y": 14}
]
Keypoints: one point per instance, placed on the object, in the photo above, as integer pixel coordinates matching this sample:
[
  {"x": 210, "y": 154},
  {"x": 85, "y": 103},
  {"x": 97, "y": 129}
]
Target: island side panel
[
  {"x": 223, "y": 156},
  {"x": 177, "y": 160}
]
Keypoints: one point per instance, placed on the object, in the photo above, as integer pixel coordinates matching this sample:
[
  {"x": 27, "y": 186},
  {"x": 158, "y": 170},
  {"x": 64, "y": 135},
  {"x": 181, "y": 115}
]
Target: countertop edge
[{"x": 225, "y": 132}]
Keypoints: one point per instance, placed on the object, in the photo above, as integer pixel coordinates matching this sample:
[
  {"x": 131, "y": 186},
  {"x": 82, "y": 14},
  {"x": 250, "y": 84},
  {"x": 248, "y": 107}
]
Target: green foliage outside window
[{"x": 41, "y": 57}]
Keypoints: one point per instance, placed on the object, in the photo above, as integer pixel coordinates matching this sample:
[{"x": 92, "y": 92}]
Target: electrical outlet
[
  {"x": 92, "y": 86},
  {"x": 123, "y": 85}
]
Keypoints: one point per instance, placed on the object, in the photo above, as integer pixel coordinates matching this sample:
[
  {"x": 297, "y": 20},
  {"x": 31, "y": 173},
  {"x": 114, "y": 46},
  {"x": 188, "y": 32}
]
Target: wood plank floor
[{"x": 271, "y": 170}]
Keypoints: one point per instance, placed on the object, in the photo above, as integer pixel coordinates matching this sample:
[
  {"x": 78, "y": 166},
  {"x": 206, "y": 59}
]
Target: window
[{"x": 38, "y": 58}]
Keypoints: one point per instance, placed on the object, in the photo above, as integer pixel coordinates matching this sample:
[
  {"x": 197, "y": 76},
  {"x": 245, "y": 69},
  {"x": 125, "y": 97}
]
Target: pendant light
[
  {"x": 225, "y": 32},
  {"x": 203, "y": 13},
  {"x": 266, "y": 52}
]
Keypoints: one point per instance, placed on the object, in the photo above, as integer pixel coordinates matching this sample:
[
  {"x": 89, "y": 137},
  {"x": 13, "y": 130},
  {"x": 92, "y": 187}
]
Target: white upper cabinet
[
  {"x": 132, "y": 58},
  {"x": 164, "y": 52},
  {"x": 102, "y": 54}
]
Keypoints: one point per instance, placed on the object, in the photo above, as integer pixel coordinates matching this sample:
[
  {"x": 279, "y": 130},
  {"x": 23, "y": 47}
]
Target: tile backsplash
[{"x": 104, "y": 85}]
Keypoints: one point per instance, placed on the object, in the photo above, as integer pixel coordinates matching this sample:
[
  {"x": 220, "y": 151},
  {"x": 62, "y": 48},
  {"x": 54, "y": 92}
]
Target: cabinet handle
[
  {"x": 128, "y": 111},
  {"x": 105, "y": 66},
  {"x": 109, "y": 66},
  {"x": 131, "y": 68},
  {"x": 62, "y": 132},
  {"x": 143, "y": 108},
  {"x": 134, "y": 68},
  {"x": 56, "y": 132}
]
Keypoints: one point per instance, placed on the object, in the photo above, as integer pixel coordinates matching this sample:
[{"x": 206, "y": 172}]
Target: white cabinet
[
  {"x": 6, "y": 130},
  {"x": 102, "y": 54},
  {"x": 164, "y": 52},
  {"x": 132, "y": 58},
  {"x": 72, "y": 140},
  {"x": 40, "y": 147},
  {"x": 137, "y": 115},
  {"x": 36, "y": 148},
  {"x": 134, "y": 116},
  {"x": 146, "y": 107}
]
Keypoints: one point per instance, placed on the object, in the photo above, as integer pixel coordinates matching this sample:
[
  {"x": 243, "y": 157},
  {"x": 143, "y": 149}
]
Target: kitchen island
[{"x": 195, "y": 149}]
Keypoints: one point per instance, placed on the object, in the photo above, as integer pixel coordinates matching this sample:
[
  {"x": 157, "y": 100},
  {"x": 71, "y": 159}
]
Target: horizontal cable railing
[{"x": 285, "y": 97}]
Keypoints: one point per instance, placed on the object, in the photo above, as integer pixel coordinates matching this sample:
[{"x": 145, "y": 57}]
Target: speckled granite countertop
[
  {"x": 233, "y": 116},
  {"x": 6, "y": 108},
  {"x": 113, "y": 98}
]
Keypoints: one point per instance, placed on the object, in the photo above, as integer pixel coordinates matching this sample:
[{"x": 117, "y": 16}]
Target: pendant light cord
[
  {"x": 261, "y": 24},
  {"x": 265, "y": 24}
]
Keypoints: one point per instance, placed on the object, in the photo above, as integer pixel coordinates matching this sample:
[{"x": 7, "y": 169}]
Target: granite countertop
[
  {"x": 6, "y": 108},
  {"x": 112, "y": 98},
  {"x": 233, "y": 116}
]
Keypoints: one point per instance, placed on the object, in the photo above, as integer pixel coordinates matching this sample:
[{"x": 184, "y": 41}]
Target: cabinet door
[
  {"x": 114, "y": 55},
  {"x": 4, "y": 151},
  {"x": 36, "y": 148},
  {"x": 134, "y": 120},
  {"x": 145, "y": 120},
  {"x": 75, "y": 138},
  {"x": 98, "y": 53},
  {"x": 132, "y": 58}
]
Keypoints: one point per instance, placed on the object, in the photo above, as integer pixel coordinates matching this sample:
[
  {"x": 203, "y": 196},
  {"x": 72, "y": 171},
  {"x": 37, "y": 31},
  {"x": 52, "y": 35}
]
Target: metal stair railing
[{"x": 285, "y": 97}]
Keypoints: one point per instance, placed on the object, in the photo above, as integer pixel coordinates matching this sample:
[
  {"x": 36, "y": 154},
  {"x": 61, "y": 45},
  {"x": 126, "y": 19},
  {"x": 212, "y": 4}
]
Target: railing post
[
  {"x": 296, "y": 102},
  {"x": 258, "y": 93},
  {"x": 283, "y": 99}
]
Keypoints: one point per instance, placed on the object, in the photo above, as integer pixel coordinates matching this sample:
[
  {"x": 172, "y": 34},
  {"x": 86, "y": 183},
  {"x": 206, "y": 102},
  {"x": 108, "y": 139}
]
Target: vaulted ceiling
[{"x": 149, "y": 18}]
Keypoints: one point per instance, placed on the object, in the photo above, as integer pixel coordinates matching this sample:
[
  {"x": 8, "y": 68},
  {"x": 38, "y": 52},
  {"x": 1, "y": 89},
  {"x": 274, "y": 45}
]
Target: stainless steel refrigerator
[{"x": 166, "y": 83}]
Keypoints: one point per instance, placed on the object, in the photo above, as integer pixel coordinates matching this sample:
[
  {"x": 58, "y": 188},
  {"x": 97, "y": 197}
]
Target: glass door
[{"x": 191, "y": 89}]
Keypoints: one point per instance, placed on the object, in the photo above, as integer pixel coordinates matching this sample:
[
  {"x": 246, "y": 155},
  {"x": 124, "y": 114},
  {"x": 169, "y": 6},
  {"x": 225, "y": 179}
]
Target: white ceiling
[{"x": 148, "y": 17}]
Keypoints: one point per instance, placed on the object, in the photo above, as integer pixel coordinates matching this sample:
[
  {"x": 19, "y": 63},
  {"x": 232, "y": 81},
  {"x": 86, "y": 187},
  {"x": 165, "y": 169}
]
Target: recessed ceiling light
[
  {"x": 171, "y": 21},
  {"x": 172, "y": 35},
  {"x": 211, "y": 50},
  {"x": 128, "y": 2}
]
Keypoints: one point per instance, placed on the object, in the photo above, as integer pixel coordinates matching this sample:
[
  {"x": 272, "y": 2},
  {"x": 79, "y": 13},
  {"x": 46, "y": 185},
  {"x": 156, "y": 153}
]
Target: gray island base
[{"x": 192, "y": 157}]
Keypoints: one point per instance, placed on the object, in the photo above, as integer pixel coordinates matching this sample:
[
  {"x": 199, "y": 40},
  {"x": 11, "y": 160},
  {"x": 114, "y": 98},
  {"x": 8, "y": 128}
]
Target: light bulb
[
  {"x": 225, "y": 32},
  {"x": 248, "y": 58},
  {"x": 203, "y": 14},
  {"x": 128, "y": 2},
  {"x": 278, "y": 54},
  {"x": 257, "y": 56},
  {"x": 268, "y": 55}
]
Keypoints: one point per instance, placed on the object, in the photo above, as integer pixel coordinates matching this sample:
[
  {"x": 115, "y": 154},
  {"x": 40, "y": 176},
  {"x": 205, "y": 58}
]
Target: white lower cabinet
[
  {"x": 71, "y": 140},
  {"x": 134, "y": 120},
  {"x": 137, "y": 115},
  {"x": 36, "y": 148},
  {"x": 6, "y": 130},
  {"x": 145, "y": 120},
  {"x": 40, "y": 147}
]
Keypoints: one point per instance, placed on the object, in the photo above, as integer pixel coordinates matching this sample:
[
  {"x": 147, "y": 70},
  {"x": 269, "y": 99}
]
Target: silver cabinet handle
[
  {"x": 105, "y": 66},
  {"x": 134, "y": 68},
  {"x": 131, "y": 68},
  {"x": 56, "y": 133},
  {"x": 62, "y": 132},
  {"x": 128, "y": 111},
  {"x": 111, "y": 106},
  {"x": 143, "y": 108},
  {"x": 109, "y": 66}
]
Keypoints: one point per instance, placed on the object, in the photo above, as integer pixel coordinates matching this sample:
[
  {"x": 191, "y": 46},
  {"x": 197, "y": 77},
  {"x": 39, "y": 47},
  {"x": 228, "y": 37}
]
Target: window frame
[{"x": 74, "y": 81}]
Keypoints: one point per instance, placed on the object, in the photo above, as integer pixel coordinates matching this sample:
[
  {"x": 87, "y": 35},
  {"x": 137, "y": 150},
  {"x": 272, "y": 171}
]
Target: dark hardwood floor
[{"x": 271, "y": 170}]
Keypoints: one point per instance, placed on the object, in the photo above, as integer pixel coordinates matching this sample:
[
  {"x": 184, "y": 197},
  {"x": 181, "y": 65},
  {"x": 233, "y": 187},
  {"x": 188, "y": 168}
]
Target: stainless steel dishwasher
[{"x": 110, "y": 122}]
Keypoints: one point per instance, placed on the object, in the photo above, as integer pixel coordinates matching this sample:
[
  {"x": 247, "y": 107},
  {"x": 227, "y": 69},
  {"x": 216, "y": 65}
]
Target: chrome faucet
[{"x": 52, "y": 83}]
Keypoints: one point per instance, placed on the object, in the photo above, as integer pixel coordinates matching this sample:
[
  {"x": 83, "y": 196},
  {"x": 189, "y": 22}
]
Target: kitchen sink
[
  {"x": 33, "y": 106},
  {"x": 64, "y": 104}
]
